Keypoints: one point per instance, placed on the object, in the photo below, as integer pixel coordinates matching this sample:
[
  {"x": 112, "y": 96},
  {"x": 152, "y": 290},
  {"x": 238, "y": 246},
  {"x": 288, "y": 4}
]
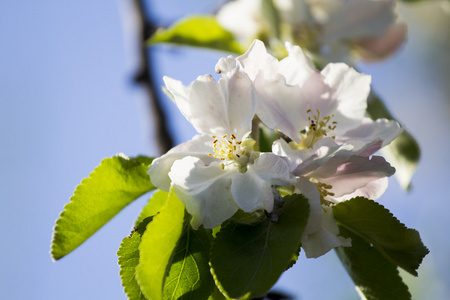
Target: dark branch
[{"x": 145, "y": 79}]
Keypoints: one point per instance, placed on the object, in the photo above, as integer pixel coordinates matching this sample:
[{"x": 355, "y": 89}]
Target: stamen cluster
[
  {"x": 317, "y": 129},
  {"x": 227, "y": 149}
]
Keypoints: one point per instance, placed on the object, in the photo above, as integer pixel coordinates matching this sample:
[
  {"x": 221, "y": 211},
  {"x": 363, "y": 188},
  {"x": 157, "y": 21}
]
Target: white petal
[
  {"x": 309, "y": 190},
  {"x": 256, "y": 60},
  {"x": 201, "y": 103},
  {"x": 226, "y": 107},
  {"x": 199, "y": 146},
  {"x": 296, "y": 67},
  {"x": 350, "y": 90},
  {"x": 383, "y": 130},
  {"x": 324, "y": 239},
  {"x": 239, "y": 101},
  {"x": 204, "y": 190},
  {"x": 295, "y": 157},
  {"x": 252, "y": 190},
  {"x": 226, "y": 64},
  {"x": 280, "y": 106}
]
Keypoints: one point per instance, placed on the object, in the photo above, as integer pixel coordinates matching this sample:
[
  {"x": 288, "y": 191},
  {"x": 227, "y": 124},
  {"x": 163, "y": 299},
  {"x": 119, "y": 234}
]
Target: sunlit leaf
[
  {"x": 198, "y": 31},
  {"x": 157, "y": 247},
  {"x": 129, "y": 259},
  {"x": 153, "y": 206},
  {"x": 377, "y": 226},
  {"x": 114, "y": 184},
  {"x": 247, "y": 260},
  {"x": 189, "y": 276}
]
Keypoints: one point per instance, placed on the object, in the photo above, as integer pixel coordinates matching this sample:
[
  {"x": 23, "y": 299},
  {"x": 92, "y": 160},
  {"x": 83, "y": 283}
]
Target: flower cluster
[
  {"x": 325, "y": 150},
  {"x": 329, "y": 29}
]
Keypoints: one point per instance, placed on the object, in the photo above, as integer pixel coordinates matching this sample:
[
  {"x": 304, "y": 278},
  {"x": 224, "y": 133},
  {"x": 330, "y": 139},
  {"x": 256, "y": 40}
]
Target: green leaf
[
  {"x": 266, "y": 139},
  {"x": 377, "y": 226},
  {"x": 403, "y": 152},
  {"x": 109, "y": 188},
  {"x": 189, "y": 276},
  {"x": 198, "y": 31},
  {"x": 129, "y": 259},
  {"x": 374, "y": 276},
  {"x": 246, "y": 260},
  {"x": 144, "y": 159},
  {"x": 157, "y": 247},
  {"x": 153, "y": 206}
]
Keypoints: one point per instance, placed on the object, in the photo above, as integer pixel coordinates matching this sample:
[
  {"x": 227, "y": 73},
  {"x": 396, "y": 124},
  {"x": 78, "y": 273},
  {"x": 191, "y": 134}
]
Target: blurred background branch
[{"x": 144, "y": 78}]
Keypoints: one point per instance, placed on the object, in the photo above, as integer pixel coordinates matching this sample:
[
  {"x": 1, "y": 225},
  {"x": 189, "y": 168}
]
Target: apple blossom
[
  {"x": 218, "y": 172},
  {"x": 327, "y": 174},
  {"x": 323, "y": 113},
  {"x": 307, "y": 105}
]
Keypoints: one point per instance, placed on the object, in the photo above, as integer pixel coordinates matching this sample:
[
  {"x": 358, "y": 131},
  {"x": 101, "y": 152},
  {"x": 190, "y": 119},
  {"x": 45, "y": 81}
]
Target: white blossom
[
  {"x": 307, "y": 105},
  {"x": 218, "y": 172},
  {"x": 323, "y": 113}
]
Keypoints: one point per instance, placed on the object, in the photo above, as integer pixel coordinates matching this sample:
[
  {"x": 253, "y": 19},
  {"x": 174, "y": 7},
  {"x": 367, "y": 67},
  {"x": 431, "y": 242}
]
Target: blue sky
[{"x": 67, "y": 101}]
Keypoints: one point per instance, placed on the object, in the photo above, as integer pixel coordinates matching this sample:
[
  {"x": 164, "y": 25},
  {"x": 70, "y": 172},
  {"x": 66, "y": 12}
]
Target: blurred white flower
[
  {"x": 328, "y": 29},
  {"x": 218, "y": 172}
]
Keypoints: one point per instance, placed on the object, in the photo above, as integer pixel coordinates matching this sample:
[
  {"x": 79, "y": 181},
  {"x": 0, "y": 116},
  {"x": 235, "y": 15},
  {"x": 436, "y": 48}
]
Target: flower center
[
  {"x": 323, "y": 189},
  {"x": 233, "y": 152},
  {"x": 227, "y": 148},
  {"x": 318, "y": 128}
]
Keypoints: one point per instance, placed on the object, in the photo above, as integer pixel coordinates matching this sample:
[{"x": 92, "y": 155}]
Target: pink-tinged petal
[
  {"x": 204, "y": 190},
  {"x": 380, "y": 130},
  {"x": 280, "y": 105},
  {"x": 370, "y": 148},
  {"x": 354, "y": 173},
  {"x": 378, "y": 48},
  {"x": 373, "y": 190},
  {"x": 316, "y": 95},
  {"x": 326, "y": 238},
  {"x": 350, "y": 90},
  {"x": 252, "y": 190},
  {"x": 325, "y": 159},
  {"x": 198, "y": 146}
]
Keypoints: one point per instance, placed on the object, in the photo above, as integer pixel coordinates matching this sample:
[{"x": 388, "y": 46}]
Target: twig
[{"x": 145, "y": 79}]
